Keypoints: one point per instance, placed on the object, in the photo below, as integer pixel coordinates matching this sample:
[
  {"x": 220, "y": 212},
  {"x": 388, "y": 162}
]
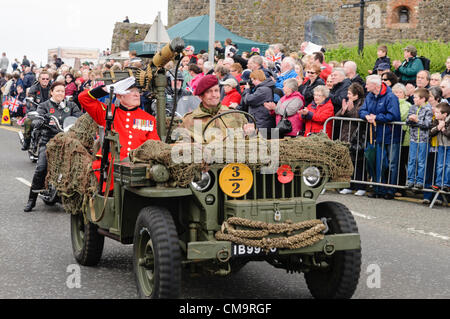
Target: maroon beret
[{"x": 207, "y": 82}]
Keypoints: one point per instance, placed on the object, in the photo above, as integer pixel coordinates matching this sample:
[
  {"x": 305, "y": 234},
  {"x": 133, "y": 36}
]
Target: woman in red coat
[
  {"x": 232, "y": 97},
  {"x": 318, "y": 112}
]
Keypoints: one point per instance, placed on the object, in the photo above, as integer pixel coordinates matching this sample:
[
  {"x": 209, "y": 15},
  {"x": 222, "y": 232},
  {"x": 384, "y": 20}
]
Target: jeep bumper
[{"x": 221, "y": 250}]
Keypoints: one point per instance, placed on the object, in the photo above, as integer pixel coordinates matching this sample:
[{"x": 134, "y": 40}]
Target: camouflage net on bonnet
[
  {"x": 157, "y": 152},
  {"x": 316, "y": 149},
  {"x": 70, "y": 156}
]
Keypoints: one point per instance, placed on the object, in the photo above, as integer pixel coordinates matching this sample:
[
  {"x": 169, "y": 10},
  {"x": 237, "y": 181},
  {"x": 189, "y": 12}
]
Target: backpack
[{"x": 426, "y": 63}]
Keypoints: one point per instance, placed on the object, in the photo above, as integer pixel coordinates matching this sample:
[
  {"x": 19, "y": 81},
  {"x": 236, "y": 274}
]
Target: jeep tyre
[
  {"x": 156, "y": 255},
  {"x": 87, "y": 243},
  {"x": 339, "y": 280}
]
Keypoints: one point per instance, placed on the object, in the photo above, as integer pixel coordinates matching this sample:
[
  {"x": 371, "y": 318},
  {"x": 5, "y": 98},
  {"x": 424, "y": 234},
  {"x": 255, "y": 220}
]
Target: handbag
[{"x": 284, "y": 126}]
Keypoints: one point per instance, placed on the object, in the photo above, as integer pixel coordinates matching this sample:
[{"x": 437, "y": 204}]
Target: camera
[{"x": 249, "y": 82}]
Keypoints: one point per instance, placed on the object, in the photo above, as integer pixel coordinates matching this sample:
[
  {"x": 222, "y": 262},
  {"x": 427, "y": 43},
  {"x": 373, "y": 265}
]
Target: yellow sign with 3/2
[{"x": 236, "y": 180}]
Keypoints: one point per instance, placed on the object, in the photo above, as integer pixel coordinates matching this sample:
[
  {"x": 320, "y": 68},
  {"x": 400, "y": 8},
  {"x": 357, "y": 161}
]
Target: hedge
[{"x": 436, "y": 51}]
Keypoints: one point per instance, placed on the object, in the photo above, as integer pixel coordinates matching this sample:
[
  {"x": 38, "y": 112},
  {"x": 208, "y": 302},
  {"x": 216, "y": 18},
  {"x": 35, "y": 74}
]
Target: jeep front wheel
[
  {"x": 339, "y": 279},
  {"x": 157, "y": 257},
  {"x": 87, "y": 243}
]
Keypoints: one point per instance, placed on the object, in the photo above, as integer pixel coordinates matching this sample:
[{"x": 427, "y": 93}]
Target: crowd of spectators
[{"x": 307, "y": 90}]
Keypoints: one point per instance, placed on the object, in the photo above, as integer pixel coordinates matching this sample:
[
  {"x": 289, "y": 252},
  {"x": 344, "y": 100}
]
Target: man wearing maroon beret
[{"x": 208, "y": 91}]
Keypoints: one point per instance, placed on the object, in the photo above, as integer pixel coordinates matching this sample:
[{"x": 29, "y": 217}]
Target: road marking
[
  {"x": 11, "y": 128},
  {"x": 23, "y": 181},
  {"x": 419, "y": 231},
  {"x": 362, "y": 215}
]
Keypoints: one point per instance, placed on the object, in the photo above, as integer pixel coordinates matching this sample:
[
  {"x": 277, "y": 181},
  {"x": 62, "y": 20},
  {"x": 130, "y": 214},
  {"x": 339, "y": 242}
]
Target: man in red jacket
[{"x": 134, "y": 125}]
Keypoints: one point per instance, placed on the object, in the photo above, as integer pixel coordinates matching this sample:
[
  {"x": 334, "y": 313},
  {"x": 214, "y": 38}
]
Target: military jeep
[
  {"x": 229, "y": 215},
  {"x": 171, "y": 228}
]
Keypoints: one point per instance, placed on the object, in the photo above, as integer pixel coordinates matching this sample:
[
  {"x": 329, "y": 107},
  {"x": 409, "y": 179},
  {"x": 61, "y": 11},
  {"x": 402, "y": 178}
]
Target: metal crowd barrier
[{"x": 361, "y": 135}]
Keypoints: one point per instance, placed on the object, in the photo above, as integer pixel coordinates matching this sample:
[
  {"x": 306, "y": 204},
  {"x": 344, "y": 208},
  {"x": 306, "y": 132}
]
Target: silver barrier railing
[{"x": 356, "y": 132}]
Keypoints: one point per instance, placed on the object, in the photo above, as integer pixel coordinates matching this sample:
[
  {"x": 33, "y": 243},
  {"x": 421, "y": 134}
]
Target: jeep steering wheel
[{"x": 219, "y": 116}]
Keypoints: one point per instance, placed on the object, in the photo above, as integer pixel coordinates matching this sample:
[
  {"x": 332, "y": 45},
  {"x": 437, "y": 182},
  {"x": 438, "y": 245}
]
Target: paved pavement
[{"x": 407, "y": 243}]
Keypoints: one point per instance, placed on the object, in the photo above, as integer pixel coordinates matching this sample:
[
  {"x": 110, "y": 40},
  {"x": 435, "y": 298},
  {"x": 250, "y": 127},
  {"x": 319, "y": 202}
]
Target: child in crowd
[
  {"x": 441, "y": 128},
  {"x": 434, "y": 100},
  {"x": 400, "y": 91},
  {"x": 382, "y": 58},
  {"x": 419, "y": 119}
]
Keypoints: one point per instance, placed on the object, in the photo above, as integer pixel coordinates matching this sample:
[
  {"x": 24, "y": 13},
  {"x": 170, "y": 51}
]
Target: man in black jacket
[
  {"x": 40, "y": 92},
  {"x": 338, "y": 93},
  {"x": 340, "y": 88}
]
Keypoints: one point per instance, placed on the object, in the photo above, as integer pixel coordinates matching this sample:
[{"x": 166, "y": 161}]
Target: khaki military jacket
[{"x": 194, "y": 122}]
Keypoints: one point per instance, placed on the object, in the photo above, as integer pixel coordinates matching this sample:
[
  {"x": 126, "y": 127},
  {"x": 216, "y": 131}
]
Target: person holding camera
[
  {"x": 56, "y": 106},
  {"x": 256, "y": 93}
]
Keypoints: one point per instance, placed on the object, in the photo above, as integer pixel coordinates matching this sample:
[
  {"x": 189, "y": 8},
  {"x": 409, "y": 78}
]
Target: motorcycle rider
[
  {"x": 39, "y": 92},
  {"x": 61, "y": 109}
]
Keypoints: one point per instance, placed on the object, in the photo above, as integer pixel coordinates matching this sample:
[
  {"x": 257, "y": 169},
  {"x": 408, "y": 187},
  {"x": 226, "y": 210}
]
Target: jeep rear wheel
[
  {"x": 157, "y": 257},
  {"x": 340, "y": 278},
  {"x": 87, "y": 243}
]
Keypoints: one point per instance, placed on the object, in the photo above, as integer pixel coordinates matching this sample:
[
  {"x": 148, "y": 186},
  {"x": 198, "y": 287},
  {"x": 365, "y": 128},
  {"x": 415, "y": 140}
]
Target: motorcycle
[
  {"x": 33, "y": 149},
  {"x": 50, "y": 195}
]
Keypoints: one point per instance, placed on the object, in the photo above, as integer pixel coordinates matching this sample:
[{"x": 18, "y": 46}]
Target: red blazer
[
  {"x": 134, "y": 126},
  {"x": 317, "y": 116}
]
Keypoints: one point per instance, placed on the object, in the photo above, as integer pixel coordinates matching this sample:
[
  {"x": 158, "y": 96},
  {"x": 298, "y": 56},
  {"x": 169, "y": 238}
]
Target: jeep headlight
[
  {"x": 311, "y": 176},
  {"x": 203, "y": 184}
]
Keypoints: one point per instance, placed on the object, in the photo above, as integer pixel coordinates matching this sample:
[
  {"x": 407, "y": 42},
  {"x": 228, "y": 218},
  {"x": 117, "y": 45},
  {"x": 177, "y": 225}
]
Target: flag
[{"x": 14, "y": 104}]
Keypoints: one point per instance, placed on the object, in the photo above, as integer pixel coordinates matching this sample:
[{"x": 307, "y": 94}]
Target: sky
[{"x": 31, "y": 27}]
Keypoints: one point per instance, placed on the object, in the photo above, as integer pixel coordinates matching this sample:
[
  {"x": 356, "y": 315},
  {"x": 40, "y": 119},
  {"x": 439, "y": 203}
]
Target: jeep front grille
[{"x": 267, "y": 186}]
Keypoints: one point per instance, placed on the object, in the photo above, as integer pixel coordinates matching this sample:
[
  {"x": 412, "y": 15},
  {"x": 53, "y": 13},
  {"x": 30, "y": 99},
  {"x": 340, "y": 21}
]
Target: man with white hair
[
  {"x": 287, "y": 72},
  {"x": 381, "y": 106},
  {"x": 228, "y": 62},
  {"x": 208, "y": 67},
  {"x": 278, "y": 49},
  {"x": 445, "y": 87},
  {"x": 340, "y": 88},
  {"x": 350, "y": 68},
  {"x": 256, "y": 63}
]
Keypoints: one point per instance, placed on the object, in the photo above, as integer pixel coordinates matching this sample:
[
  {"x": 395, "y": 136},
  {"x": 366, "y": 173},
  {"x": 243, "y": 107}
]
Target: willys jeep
[{"x": 229, "y": 216}]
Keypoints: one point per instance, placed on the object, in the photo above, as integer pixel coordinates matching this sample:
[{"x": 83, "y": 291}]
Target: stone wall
[
  {"x": 284, "y": 20},
  {"x": 125, "y": 33}
]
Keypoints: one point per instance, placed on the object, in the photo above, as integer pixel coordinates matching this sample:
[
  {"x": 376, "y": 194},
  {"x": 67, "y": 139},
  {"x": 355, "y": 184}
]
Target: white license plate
[{"x": 243, "y": 250}]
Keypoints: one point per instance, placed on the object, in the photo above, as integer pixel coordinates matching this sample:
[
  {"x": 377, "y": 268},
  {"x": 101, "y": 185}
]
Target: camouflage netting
[
  {"x": 316, "y": 149},
  {"x": 70, "y": 156},
  {"x": 320, "y": 149},
  {"x": 157, "y": 152}
]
